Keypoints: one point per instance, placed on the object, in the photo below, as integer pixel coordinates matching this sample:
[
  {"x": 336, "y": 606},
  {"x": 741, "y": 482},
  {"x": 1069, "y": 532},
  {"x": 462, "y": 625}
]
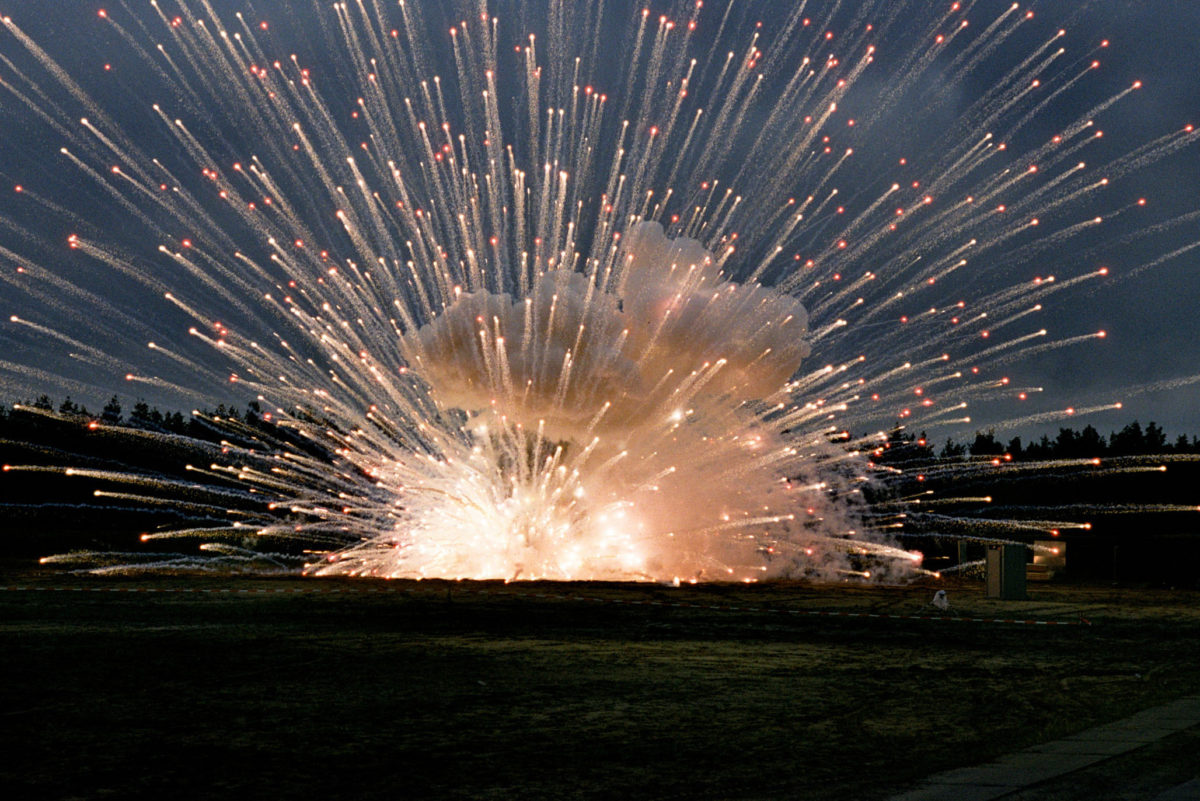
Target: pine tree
[{"x": 111, "y": 414}]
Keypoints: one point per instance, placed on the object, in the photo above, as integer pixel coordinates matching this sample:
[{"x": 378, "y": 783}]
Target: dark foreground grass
[{"x": 448, "y": 693}]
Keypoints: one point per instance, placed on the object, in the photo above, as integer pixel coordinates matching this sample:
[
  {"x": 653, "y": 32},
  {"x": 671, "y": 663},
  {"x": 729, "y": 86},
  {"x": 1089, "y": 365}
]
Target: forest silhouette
[{"x": 1122, "y": 497}]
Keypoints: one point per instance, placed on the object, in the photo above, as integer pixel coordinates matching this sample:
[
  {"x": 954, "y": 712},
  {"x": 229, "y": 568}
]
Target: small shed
[{"x": 1006, "y": 572}]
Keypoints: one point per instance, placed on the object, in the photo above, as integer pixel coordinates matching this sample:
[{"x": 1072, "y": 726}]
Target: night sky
[
  {"x": 1153, "y": 326},
  {"x": 1151, "y": 320}
]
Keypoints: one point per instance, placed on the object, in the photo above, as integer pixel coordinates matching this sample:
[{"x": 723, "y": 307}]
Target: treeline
[
  {"x": 42, "y": 425},
  {"x": 71, "y": 478},
  {"x": 140, "y": 416},
  {"x": 1132, "y": 440},
  {"x": 1086, "y": 443}
]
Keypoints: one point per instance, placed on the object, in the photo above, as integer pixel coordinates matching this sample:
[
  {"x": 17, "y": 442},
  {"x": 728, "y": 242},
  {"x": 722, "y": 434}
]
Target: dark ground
[{"x": 473, "y": 690}]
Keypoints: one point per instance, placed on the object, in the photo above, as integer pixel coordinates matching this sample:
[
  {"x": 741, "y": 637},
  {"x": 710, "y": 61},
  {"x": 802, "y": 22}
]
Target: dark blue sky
[{"x": 1152, "y": 319}]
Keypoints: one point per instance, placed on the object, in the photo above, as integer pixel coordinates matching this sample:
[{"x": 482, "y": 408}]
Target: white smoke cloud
[
  {"x": 619, "y": 434},
  {"x": 674, "y": 330}
]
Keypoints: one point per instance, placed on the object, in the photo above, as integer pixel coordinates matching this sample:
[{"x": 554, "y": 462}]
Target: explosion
[
  {"x": 549, "y": 290},
  {"x": 635, "y": 429}
]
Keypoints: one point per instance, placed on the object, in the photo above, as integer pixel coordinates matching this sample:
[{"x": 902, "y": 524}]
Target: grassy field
[{"x": 476, "y": 690}]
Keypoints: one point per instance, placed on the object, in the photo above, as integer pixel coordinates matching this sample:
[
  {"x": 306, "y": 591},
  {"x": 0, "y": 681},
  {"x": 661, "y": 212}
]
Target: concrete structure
[{"x": 1006, "y": 572}]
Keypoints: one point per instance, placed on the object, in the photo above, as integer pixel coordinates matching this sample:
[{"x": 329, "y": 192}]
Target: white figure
[{"x": 940, "y": 601}]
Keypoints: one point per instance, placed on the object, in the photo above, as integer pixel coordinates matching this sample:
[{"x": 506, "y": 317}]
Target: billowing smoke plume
[
  {"x": 629, "y": 432},
  {"x": 673, "y": 333}
]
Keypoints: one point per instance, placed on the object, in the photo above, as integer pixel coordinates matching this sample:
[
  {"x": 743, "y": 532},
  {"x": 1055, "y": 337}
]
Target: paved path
[
  {"x": 1015, "y": 772},
  {"x": 1188, "y": 791}
]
